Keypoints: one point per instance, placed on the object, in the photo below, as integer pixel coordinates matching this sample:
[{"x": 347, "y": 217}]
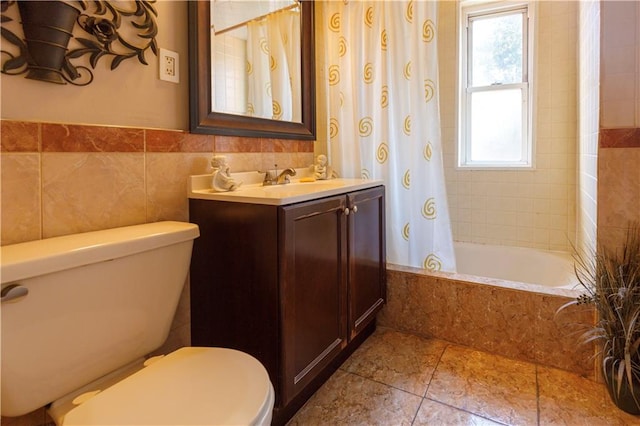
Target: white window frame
[{"x": 469, "y": 10}]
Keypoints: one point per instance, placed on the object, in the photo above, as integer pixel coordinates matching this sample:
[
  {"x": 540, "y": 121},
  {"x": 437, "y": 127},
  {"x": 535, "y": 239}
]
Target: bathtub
[{"x": 524, "y": 265}]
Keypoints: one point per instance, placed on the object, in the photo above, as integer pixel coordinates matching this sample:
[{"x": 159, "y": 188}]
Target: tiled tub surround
[
  {"x": 60, "y": 179},
  {"x": 510, "y": 319}
]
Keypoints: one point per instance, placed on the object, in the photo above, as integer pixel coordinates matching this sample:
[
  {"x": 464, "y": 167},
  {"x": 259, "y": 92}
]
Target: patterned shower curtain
[
  {"x": 273, "y": 67},
  {"x": 384, "y": 120}
]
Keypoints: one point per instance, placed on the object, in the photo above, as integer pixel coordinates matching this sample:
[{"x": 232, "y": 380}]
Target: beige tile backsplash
[
  {"x": 60, "y": 179},
  {"x": 88, "y": 191}
]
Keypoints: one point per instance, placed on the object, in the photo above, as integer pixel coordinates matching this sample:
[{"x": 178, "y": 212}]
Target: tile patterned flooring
[{"x": 401, "y": 379}]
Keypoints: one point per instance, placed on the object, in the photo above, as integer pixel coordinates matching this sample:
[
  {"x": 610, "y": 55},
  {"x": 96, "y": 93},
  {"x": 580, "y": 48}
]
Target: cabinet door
[
  {"x": 367, "y": 259},
  {"x": 313, "y": 289}
]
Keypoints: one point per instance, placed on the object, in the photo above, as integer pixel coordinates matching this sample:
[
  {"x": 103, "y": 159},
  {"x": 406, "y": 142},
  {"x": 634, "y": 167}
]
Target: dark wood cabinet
[
  {"x": 296, "y": 286},
  {"x": 367, "y": 260},
  {"x": 312, "y": 265}
]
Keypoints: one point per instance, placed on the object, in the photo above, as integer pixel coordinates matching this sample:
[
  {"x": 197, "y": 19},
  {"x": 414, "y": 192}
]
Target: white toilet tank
[{"x": 96, "y": 301}]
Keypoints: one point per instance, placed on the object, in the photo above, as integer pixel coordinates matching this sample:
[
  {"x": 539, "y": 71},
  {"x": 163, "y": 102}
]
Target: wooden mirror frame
[{"x": 201, "y": 117}]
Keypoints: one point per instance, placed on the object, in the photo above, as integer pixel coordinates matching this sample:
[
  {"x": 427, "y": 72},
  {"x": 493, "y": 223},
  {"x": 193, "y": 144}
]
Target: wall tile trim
[
  {"x": 79, "y": 138},
  {"x": 620, "y": 138},
  {"x": 23, "y": 136},
  {"x": 177, "y": 141},
  {"x": 19, "y": 136}
]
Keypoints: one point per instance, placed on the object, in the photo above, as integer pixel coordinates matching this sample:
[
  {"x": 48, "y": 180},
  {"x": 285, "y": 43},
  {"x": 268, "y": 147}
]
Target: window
[{"x": 495, "y": 91}]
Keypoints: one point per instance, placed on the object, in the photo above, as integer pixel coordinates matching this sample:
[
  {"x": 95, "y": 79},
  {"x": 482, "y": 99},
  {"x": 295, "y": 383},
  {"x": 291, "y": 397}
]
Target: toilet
[{"x": 81, "y": 313}]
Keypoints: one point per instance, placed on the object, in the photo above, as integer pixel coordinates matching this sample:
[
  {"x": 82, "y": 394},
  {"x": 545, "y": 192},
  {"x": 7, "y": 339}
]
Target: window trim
[{"x": 468, "y": 11}]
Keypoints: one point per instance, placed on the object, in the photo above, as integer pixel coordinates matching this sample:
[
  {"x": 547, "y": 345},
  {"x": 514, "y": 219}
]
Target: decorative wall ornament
[{"x": 115, "y": 30}]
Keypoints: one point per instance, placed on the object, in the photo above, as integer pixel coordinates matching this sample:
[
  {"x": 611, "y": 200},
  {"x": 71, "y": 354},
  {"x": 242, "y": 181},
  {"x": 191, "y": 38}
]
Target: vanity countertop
[{"x": 251, "y": 191}]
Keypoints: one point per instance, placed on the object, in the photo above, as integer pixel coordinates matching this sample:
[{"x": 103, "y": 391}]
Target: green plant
[{"x": 610, "y": 279}]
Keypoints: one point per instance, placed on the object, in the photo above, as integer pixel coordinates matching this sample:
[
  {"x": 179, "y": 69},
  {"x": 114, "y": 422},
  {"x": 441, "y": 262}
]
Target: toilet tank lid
[{"x": 34, "y": 258}]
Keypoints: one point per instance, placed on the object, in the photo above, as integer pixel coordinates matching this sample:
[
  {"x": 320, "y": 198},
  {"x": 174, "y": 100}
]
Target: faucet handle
[{"x": 269, "y": 179}]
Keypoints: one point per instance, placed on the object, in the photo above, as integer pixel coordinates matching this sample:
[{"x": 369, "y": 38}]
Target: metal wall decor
[{"x": 48, "y": 27}]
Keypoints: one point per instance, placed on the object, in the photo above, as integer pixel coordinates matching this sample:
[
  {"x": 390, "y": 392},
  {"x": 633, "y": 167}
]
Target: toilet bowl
[{"x": 96, "y": 303}]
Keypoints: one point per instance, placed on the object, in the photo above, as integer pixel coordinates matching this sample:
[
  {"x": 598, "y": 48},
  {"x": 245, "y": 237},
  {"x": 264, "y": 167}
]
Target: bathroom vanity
[{"x": 293, "y": 275}]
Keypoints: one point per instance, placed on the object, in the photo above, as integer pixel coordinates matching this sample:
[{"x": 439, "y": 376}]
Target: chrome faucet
[{"x": 275, "y": 178}]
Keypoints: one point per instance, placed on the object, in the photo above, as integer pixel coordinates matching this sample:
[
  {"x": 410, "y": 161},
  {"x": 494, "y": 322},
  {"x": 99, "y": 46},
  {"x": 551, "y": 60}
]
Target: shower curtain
[
  {"x": 383, "y": 118},
  {"x": 273, "y": 67}
]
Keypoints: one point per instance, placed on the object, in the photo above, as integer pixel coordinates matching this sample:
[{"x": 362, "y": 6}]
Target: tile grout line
[
  {"x": 381, "y": 383},
  {"x": 415, "y": 416},
  {"x": 388, "y": 386},
  {"x": 424, "y": 395},
  {"x": 144, "y": 175},
  {"x": 466, "y": 411},
  {"x": 40, "y": 179},
  {"x": 435, "y": 368},
  {"x": 452, "y": 406},
  {"x": 537, "y": 397}
]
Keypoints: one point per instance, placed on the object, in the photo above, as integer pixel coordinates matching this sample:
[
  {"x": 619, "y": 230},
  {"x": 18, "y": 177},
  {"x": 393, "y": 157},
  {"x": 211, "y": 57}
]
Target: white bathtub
[{"x": 526, "y": 265}]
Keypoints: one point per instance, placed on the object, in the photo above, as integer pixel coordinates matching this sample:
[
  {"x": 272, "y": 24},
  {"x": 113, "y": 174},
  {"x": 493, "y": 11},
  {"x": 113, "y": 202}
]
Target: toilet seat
[{"x": 192, "y": 385}]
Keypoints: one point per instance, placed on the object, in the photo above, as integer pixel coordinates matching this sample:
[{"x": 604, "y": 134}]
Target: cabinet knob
[
  {"x": 346, "y": 211},
  {"x": 354, "y": 209}
]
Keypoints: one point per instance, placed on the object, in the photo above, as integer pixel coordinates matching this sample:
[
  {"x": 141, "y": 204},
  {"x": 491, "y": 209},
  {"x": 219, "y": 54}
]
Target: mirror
[
  {"x": 296, "y": 120},
  {"x": 256, "y": 58}
]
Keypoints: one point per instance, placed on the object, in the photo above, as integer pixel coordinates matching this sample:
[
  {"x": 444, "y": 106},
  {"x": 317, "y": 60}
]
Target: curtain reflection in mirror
[{"x": 273, "y": 66}]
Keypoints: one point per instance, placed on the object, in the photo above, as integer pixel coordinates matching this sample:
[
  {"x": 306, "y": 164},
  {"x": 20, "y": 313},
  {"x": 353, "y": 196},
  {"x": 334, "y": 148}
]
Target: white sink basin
[{"x": 293, "y": 192}]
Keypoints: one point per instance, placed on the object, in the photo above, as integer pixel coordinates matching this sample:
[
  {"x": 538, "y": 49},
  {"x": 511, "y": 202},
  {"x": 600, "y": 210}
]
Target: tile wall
[
  {"x": 619, "y": 141},
  {"x": 530, "y": 208},
  {"x": 618, "y": 192},
  {"x": 60, "y": 179},
  {"x": 229, "y": 73}
]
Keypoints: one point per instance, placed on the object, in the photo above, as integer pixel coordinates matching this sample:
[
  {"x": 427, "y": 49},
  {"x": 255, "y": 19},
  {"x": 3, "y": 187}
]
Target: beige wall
[
  {"x": 131, "y": 95},
  {"x": 529, "y": 208},
  {"x": 620, "y": 99}
]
